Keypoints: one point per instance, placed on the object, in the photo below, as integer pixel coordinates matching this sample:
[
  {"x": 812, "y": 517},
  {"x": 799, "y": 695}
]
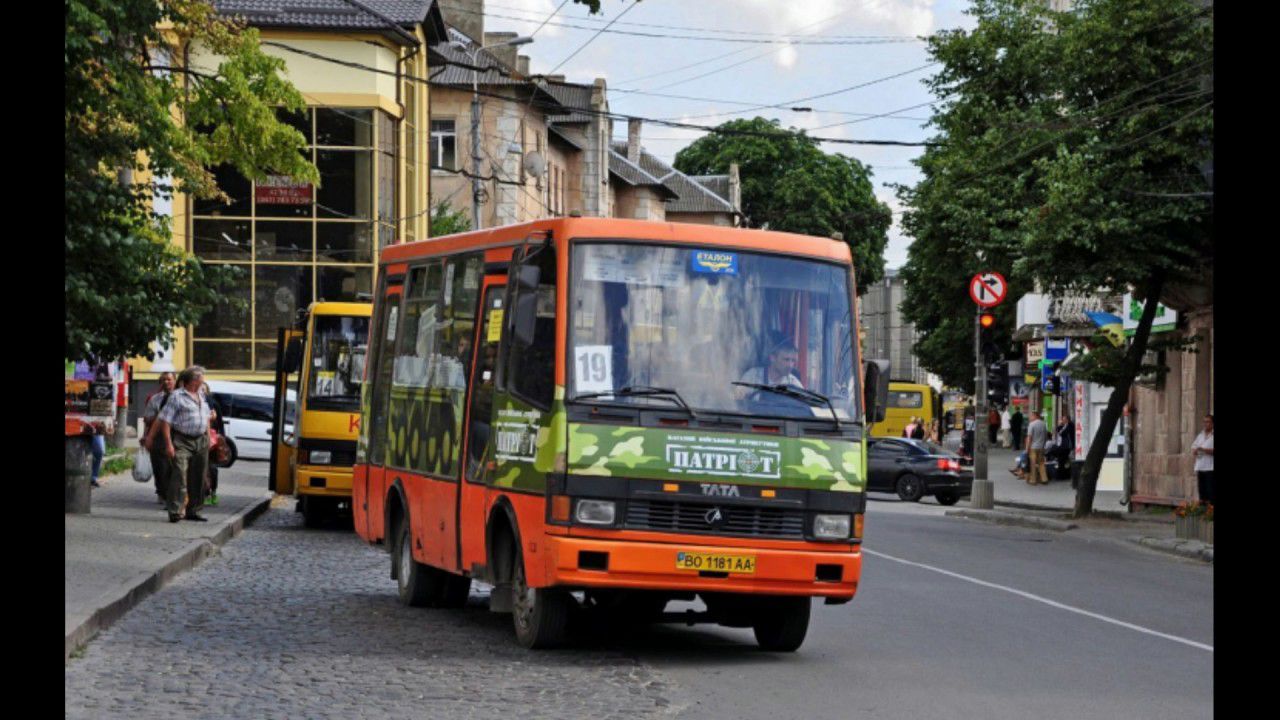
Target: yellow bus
[
  {"x": 907, "y": 400},
  {"x": 322, "y": 361}
]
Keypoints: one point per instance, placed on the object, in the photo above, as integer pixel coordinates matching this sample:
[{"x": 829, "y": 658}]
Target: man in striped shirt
[{"x": 184, "y": 433}]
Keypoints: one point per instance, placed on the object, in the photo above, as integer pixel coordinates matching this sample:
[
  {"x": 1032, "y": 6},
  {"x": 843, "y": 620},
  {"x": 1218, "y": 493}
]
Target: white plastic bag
[{"x": 142, "y": 465}]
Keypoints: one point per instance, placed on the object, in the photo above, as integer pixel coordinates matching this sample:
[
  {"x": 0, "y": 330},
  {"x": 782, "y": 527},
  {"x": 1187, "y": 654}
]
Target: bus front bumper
[
  {"x": 324, "y": 480},
  {"x": 652, "y": 566}
]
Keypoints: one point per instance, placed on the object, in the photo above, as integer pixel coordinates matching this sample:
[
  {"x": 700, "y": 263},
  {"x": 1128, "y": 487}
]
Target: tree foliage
[
  {"x": 447, "y": 221},
  {"x": 789, "y": 184},
  {"x": 1070, "y": 155},
  {"x": 139, "y": 124}
]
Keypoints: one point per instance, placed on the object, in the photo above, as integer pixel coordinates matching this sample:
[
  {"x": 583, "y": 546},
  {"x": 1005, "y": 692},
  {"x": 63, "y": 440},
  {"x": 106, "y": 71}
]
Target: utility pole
[
  {"x": 983, "y": 494},
  {"x": 472, "y": 51}
]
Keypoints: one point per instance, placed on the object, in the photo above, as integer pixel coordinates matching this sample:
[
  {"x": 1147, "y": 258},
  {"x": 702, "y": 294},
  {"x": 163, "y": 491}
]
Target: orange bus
[{"x": 617, "y": 414}]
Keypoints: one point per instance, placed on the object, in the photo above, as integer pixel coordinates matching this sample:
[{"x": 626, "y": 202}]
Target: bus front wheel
[
  {"x": 540, "y": 615},
  {"x": 413, "y": 579},
  {"x": 782, "y": 624}
]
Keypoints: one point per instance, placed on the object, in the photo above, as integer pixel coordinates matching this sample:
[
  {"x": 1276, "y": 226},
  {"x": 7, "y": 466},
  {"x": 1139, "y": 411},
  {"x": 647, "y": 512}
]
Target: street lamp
[{"x": 472, "y": 51}]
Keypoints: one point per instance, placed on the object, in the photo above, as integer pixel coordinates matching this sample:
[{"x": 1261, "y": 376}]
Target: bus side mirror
[
  {"x": 527, "y": 277},
  {"x": 293, "y": 355},
  {"x": 524, "y": 316},
  {"x": 875, "y": 389}
]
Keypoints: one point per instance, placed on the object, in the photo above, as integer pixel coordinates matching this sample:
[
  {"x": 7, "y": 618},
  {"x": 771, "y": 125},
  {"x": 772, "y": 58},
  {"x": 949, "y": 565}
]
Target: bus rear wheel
[
  {"x": 782, "y": 624},
  {"x": 540, "y": 615}
]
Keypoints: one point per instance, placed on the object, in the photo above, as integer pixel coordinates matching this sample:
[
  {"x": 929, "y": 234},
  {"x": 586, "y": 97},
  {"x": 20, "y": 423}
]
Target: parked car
[
  {"x": 915, "y": 468},
  {"x": 247, "y": 411}
]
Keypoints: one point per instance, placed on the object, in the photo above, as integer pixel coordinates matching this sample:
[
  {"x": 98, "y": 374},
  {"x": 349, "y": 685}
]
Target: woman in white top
[{"x": 1202, "y": 450}]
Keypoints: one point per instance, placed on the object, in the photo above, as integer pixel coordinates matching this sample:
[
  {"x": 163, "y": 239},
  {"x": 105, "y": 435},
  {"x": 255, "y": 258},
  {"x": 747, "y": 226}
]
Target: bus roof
[
  {"x": 341, "y": 308},
  {"x": 604, "y": 228}
]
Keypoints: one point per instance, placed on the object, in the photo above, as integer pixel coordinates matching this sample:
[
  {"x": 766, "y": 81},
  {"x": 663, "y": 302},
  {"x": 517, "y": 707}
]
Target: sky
[{"x": 880, "y": 36}]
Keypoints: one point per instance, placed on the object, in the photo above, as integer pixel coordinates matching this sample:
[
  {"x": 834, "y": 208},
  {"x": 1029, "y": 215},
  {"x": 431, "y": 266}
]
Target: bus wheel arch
[{"x": 393, "y": 513}]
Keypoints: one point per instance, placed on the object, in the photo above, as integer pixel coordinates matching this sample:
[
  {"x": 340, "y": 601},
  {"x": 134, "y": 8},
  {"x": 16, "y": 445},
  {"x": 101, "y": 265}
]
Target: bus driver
[{"x": 783, "y": 359}]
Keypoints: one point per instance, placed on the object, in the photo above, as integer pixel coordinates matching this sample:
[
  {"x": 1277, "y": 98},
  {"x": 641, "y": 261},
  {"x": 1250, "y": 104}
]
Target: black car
[{"x": 915, "y": 468}]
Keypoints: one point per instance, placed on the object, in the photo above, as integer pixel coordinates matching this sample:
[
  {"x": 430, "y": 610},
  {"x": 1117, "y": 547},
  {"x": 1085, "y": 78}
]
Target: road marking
[{"x": 1046, "y": 601}]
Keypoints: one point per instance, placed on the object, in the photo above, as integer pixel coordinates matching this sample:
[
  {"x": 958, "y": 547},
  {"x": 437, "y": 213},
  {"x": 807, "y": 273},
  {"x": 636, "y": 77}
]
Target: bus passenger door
[
  {"x": 284, "y": 424},
  {"x": 478, "y": 423},
  {"x": 373, "y": 503}
]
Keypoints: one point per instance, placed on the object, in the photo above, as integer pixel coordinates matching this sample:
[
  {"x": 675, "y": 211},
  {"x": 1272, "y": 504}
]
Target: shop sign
[
  {"x": 1166, "y": 319},
  {"x": 1035, "y": 353},
  {"x": 282, "y": 190},
  {"x": 1056, "y": 349}
]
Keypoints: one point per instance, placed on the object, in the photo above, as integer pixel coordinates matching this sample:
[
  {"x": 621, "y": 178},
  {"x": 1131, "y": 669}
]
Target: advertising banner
[{"x": 282, "y": 190}]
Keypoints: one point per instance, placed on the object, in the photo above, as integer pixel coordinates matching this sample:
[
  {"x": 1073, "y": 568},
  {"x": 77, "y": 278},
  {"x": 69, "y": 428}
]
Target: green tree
[
  {"x": 447, "y": 221},
  {"x": 1071, "y": 148},
  {"x": 789, "y": 184},
  {"x": 139, "y": 125}
]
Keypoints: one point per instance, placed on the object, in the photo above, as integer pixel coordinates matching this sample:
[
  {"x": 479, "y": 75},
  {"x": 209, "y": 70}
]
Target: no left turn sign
[{"x": 988, "y": 289}]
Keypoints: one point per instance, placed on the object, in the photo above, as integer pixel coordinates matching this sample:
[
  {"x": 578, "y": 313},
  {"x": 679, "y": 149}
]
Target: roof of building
[
  {"x": 339, "y": 14},
  {"x": 633, "y": 174},
  {"x": 457, "y": 71},
  {"x": 571, "y": 95},
  {"x": 691, "y": 194},
  {"x": 565, "y": 137}
]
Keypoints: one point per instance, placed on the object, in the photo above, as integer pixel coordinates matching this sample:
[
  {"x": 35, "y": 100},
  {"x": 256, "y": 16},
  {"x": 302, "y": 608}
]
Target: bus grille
[{"x": 674, "y": 516}]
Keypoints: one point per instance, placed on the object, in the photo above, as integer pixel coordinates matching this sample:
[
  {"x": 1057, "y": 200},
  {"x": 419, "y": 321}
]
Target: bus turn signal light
[
  {"x": 560, "y": 508},
  {"x": 857, "y": 526}
]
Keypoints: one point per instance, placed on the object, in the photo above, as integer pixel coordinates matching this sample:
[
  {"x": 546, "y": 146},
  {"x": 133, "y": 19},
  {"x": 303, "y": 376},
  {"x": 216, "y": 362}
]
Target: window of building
[
  {"x": 295, "y": 243},
  {"x": 444, "y": 145}
]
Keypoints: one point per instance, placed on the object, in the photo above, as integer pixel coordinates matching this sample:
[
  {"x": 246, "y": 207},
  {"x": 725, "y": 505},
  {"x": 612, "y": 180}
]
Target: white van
[{"x": 246, "y": 411}]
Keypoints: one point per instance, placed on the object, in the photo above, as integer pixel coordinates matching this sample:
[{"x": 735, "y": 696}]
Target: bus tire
[
  {"x": 910, "y": 488},
  {"x": 782, "y": 624},
  {"x": 540, "y": 615},
  {"x": 413, "y": 579},
  {"x": 315, "y": 511}
]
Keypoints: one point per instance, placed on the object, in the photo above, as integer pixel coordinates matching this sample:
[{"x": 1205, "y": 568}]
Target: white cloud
[
  {"x": 895, "y": 253},
  {"x": 813, "y": 17}
]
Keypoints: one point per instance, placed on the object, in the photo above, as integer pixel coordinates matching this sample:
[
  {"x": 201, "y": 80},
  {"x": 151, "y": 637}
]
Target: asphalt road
[{"x": 989, "y": 622}]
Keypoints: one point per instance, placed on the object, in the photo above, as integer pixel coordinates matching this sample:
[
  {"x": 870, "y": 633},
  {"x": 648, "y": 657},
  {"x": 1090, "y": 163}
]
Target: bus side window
[
  {"x": 481, "y": 412},
  {"x": 529, "y": 370}
]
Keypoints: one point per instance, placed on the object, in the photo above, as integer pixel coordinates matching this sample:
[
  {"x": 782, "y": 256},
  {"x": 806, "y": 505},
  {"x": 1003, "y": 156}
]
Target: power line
[
  {"x": 544, "y": 22},
  {"x": 681, "y": 27},
  {"x": 592, "y": 111},
  {"x": 590, "y": 40}
]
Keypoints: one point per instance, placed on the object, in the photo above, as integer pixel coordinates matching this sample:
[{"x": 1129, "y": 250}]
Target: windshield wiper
[
  {"x": 641, "y": 391},
  {"x": 797, "y": 392}
]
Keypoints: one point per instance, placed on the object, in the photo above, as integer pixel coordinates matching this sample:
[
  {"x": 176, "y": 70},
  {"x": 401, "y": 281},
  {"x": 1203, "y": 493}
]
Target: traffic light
[
  {"x": 986, "y": 319},
  {"x": 986, "y": 325}
]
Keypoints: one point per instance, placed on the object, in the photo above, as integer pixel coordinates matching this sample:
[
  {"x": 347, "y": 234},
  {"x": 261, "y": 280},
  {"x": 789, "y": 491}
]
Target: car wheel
[
  {"x": 910, "y": 488},
  {"x": 782, "y": 624},
  {"x": 947, "y": 498},
  {"x": 540, "y": 615}
]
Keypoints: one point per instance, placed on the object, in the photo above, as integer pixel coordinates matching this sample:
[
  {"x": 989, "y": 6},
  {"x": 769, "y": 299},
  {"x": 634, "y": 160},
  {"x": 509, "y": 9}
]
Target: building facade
[
  {"x": 887, "y": 335},
  {"x": 361, "y": 70}
]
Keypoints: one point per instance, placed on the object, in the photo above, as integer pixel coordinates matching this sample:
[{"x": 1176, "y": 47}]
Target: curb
[
  {"x": 1190, "y": 549},
  {"x": 192, "y": 555},
  {"x": 1007, "y": 518}
]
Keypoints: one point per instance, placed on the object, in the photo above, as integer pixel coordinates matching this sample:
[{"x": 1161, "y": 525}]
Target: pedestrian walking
[
  {"x": 184, "y": 431},
  {"x": 1004, "y": 427},
  {"x": 156, "y": 402},
  {"x": 1202, "y": 451},
  {"x": 217, "y": 431},
  {"x": 1037, "y": 437},
  {"x": 918, "y": 432},
  {"x": 97, "y": 446},
  {"x": 910, "y": 429},
  {"x": 993, "y": 425},
  {"x": 1016, "y": 421}
]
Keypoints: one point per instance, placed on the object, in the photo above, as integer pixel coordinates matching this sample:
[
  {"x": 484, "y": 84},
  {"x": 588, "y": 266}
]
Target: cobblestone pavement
[{"x": 292, "y": 623}]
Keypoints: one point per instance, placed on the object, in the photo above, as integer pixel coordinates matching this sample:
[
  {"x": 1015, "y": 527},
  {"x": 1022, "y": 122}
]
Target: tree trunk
[{"x": 1119, "y": 396}]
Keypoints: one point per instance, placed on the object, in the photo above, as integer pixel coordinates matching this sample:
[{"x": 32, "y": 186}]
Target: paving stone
[{"x": 289, "y": 622}]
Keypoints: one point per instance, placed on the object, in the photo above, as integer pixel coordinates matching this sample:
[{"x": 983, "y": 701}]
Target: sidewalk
[
  {"x": 1049, "y": 506},
  {"x": 126, "y": 548}
]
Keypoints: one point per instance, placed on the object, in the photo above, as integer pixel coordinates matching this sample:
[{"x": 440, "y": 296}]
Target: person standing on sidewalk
[
  {"x": 1202, "y": 450},
  {"x": 993, "y": 425},
  {"x": 184, "y": 430},
  {"x": 156, "y": 402},
  {"x": 1037, "y": 436},
  {"x": 1015, "y": 427}
]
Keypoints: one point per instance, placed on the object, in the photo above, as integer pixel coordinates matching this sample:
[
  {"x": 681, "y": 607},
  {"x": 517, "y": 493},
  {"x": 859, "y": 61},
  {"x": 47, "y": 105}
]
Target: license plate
[{"x": 716, "y": 562}]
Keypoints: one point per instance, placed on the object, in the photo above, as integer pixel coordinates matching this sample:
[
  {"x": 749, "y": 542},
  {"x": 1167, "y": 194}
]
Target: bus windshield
[
  {"x": 728, "y": 331},
  {"x": 337, "y": 362}
]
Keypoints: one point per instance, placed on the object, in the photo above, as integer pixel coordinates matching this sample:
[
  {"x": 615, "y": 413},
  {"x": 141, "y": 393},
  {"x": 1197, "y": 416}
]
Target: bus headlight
[
  {"x": 831, "y": 527},
  {"x": 595, "y": 512},
  {"x": 320, "y": 457}
]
